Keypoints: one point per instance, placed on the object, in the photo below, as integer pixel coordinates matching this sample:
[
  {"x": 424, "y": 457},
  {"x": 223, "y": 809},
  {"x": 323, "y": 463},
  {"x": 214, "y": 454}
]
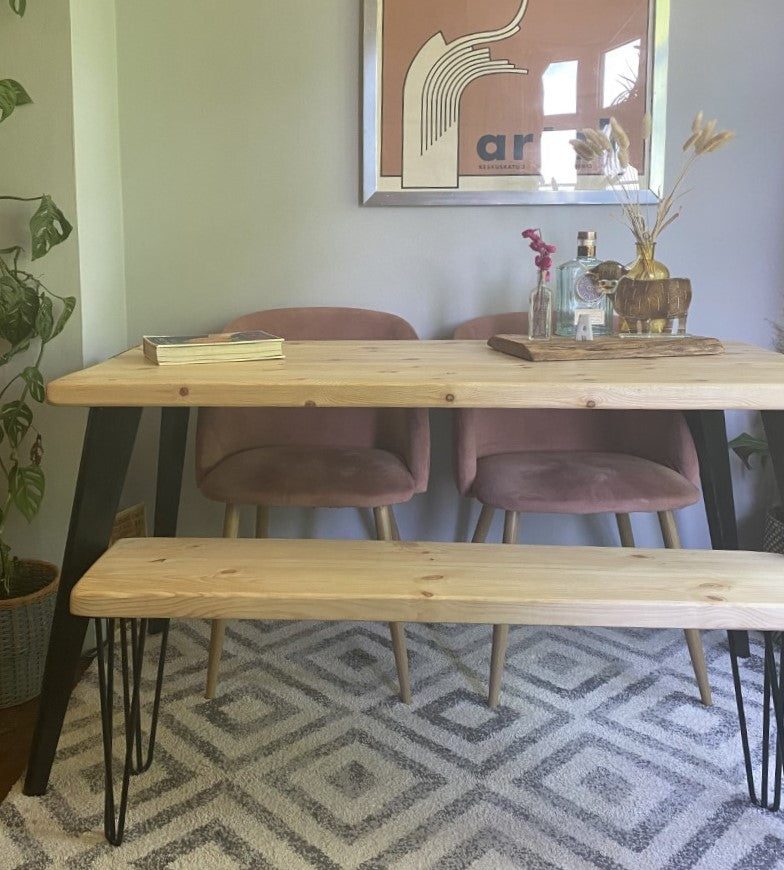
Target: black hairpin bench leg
[
  {"x": 131, "y": 667},
  {"x": 773, "y": 696}
]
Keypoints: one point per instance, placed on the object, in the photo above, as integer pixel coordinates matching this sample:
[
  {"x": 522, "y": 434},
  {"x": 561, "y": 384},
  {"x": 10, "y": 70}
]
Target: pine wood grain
[
  {"x": 559, "y": 349},
  {"x": 434, "y": 582},
  {"x": 432, "y": 374}
]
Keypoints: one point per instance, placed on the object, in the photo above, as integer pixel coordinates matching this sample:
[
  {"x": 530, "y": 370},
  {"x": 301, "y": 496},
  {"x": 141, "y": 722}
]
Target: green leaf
[
  {"x": 18, "y": 310},
  {"x": 35, "y": 381},
  {"x": 44, "y": 319},
  {"x": 12, "y": 94},
  {"x": 18, "y": 6},
  {"x": 16, "y": 418},
  {"x": 69, "y": 303},
  {"x": 26, "y": 487},
  {"x": 745, "y": 446},
  {"x": 48, "y": 227}
]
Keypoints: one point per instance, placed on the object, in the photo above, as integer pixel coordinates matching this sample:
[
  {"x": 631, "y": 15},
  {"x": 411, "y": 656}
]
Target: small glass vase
[{"x": 540, "y": 312}]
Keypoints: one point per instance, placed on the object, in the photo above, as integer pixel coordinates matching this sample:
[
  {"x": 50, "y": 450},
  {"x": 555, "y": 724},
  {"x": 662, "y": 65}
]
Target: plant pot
[
  {"x": 25, "y": 623},
  {"x": 773, "y": 531}
]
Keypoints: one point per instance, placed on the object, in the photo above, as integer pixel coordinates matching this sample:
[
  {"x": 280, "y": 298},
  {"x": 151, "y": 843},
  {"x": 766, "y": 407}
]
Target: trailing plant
[
  {"x": 747, "y": 446},
  {"x": 30, "y": 317}
]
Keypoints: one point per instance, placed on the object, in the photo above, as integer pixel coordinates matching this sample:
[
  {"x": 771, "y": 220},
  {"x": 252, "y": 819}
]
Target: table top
[{"x": 432, "y": 374}]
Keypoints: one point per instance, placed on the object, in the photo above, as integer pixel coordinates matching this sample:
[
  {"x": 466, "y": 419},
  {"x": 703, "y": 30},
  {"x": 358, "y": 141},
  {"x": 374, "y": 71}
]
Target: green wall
[
  {"x": 210, "y": 155},
  {"x": 36, "y": 144},
  {"x": 240, "y": 140}
]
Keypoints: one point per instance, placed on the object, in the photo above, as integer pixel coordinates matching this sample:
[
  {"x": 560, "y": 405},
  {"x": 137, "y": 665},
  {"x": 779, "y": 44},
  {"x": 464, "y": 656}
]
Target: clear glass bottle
[
  {"x": 540, "y": 311},
  {"x": 578, "y": 291}
]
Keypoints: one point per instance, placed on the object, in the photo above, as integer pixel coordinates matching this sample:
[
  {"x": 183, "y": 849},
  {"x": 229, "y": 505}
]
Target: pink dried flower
[{"x": 543, "y": 261}]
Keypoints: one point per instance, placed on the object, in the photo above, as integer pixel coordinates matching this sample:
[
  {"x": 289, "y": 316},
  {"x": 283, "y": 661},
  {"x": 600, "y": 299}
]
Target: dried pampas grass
[{"x": 613, "y": 152}]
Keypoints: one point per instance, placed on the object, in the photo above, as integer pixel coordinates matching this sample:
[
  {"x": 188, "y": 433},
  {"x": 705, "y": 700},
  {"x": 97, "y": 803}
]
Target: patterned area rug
[{"x": 600, "y": 756}]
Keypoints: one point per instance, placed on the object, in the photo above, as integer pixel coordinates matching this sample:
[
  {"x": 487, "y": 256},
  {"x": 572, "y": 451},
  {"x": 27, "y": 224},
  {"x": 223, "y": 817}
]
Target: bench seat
[{"x": 217, "y": 578}]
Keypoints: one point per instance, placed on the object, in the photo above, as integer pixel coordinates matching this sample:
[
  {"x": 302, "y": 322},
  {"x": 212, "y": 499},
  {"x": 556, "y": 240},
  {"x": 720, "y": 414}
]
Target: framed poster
[{"x": 475, "y": 101}]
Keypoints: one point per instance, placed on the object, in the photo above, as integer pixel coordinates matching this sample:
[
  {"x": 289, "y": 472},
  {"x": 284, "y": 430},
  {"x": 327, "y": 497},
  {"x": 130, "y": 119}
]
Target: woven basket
[
  {"x": 773, "y": 531},
  {"x": 25, "y": 623}
]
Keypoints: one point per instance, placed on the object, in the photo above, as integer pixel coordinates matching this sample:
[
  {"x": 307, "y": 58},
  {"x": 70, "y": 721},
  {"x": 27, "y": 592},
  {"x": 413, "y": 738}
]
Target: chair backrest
[
  {"x": 662, "y": 436},
  {"x": 222, "y": 432}
]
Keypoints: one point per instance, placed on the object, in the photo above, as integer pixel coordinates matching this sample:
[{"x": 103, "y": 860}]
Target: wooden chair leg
[
  {"x": 497, "y": 659},
  {"x": 393, "y": 525},
  {"x": 231, "y": 529},
  {"x": 625, "y": 529},
  {"x": 693, "y": 639},
  {"x": 511, "y": 527},
  {"x": 386, "y": 529},
  {"x": 483, "y": 524},
  {"x": 501, "y": 632}
]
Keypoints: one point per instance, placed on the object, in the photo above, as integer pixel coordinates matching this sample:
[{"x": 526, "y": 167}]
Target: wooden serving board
[{"x": 608, "y": 347}]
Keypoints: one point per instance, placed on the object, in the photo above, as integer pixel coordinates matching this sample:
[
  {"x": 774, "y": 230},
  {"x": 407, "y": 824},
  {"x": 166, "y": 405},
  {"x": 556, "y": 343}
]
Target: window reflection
[
  {"x": 560, "y": 88},
  {"x": 558, "y": 167},
  {"x": 621, "y": 73}
]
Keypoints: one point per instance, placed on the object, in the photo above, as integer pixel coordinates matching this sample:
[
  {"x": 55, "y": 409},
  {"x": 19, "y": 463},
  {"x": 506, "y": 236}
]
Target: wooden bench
[
  {"x": 382, "y": 581},
  {"x": 401, "y": 581}
]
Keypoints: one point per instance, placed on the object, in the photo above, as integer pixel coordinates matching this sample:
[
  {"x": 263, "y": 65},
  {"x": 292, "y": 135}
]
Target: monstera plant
[{"x": 31, "y": 316}]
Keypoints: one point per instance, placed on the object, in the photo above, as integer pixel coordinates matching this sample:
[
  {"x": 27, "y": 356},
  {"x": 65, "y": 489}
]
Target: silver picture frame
[{"x": 439, "y": 69}]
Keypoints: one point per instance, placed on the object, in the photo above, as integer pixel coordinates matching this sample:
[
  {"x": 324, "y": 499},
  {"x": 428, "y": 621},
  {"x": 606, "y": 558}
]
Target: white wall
[
  {"x": 239, "y": 131},
  {"x": 98, "y": 181}
]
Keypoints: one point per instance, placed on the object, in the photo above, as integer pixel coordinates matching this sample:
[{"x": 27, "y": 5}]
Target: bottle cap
[{"x": 587, "y": 234}]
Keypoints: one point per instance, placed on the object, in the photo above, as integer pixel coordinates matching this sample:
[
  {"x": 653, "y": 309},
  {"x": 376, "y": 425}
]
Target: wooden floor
[{"x": 16, "y": 734}]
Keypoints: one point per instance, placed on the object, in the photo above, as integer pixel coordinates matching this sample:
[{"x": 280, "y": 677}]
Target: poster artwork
[{"x": 484, "y": 95}]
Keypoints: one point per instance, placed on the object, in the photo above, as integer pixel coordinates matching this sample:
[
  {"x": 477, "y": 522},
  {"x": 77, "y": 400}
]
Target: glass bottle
[
  {"x": 579, "y": 292},
  {"x": 540, "y": 310}
]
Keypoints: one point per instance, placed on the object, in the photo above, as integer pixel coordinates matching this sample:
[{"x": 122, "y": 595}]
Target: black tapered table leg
[
  {"x": 773, "y": 421},
  {"x": 709, "y": 431},
  {"x": 106, "y": 452},
  {"x": 171, "y": 460}
]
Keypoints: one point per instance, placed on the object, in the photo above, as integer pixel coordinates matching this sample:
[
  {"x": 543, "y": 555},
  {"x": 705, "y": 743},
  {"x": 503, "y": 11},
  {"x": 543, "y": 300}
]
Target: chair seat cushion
[
  {"x": 578, "y": 482},
  {"x": 310, "y": 477}
]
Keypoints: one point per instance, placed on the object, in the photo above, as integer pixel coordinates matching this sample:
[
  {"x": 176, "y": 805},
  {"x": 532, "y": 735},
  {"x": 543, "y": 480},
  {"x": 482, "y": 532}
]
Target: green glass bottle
[{"x": 578, "y": 291}]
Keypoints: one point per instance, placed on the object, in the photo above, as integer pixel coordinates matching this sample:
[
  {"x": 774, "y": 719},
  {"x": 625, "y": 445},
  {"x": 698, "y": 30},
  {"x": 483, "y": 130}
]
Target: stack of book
[{"x": 219, "y": 346}]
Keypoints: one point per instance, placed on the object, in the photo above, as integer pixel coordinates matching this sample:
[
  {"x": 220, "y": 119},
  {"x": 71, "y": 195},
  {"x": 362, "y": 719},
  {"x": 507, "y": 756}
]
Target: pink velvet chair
[
  {"x": 575, "y": 462},
  {"x": 314, "y": 457}
]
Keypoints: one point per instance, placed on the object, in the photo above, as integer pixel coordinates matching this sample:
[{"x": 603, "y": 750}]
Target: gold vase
[{"x": 645, "y": 267}]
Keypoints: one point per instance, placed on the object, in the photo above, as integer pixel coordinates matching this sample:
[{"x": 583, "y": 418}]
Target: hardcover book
[{"x": 213, "y": 347}]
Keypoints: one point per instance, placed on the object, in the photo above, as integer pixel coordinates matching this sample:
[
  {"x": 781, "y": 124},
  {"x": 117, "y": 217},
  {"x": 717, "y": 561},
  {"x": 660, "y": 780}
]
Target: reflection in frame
[{"x": 475, "y": 102}]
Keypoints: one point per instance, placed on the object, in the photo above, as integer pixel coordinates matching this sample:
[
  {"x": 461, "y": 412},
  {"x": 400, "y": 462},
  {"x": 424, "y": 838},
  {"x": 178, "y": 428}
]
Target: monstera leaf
[
  {"x": 48, "y": 227},
  {"x": 12, "y": 94},
  {"x": 35, "y": 383},
  {"x": 16, "y": 418},
  {"x": 18, "y": 309},
  {"x": 26, "y": 487},
  {"x": 746, "y": 446}
]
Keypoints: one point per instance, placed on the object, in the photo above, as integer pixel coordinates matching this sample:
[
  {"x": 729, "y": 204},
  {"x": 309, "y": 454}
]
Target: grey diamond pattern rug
[{"x": 600, "y": 755}]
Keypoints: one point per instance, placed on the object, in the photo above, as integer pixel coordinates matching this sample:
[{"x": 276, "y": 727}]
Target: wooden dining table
[{"x": 425, "y": 374}]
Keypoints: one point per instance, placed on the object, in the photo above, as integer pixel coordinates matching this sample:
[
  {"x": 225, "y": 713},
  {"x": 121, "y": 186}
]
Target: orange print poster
[{"x": 467, "y": 97}]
